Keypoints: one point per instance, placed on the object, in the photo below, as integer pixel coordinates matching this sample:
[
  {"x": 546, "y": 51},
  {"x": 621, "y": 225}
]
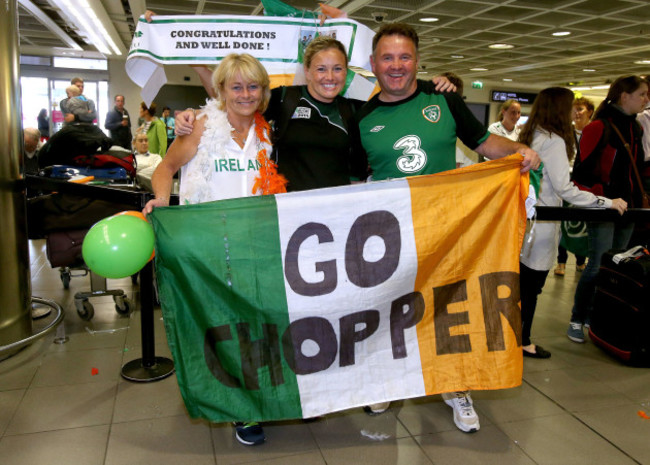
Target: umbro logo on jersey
[
  {"x": 432, "y": 113},
  {"x": 302, "y": 113},
  {"x": 377, "y": 128}
]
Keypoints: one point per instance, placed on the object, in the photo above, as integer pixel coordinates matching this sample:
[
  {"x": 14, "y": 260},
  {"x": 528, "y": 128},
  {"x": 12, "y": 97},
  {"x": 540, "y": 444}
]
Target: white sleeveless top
[{"x": 221, "y": 169}]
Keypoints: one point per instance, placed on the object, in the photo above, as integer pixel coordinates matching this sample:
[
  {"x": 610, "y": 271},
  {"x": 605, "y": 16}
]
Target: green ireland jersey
[{"x": 417, "y": 135}]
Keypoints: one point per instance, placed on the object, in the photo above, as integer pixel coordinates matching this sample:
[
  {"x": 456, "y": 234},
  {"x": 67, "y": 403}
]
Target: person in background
[
  {"x": 583, "y": 110},
  {"x": 509, "y": 114},
  {"x": 118, "y": 122},
  {"x": 229, "y": 127},
  {"x": 146, "y": 163},
  {"x": 169, "y": 124},
  {"x": 395, "y": 61},
  {"x": 644, "y": 120},
  {"x": 43, "y": 124},
  {"x": 78, "y": 105},
  {"x": 548, "y": 131},
  {"x": 155, "y": 129},
  {"x": 68, "y": 116},
  {"x": 604, "y": 167},
  {"x": 31, "y": 138}
]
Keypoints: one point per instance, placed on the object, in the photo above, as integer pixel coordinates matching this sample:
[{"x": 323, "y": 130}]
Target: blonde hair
[
  {"x": 319, "y": 44},
  {"x": 73, "y": 90},
  {"x": 249, "y": 68},
  {"x": 505, "y": 106}
]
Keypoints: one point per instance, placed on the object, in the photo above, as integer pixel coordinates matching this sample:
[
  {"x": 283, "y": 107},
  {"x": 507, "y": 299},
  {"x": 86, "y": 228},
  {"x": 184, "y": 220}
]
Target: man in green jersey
[{"x": 410, "y": 129}]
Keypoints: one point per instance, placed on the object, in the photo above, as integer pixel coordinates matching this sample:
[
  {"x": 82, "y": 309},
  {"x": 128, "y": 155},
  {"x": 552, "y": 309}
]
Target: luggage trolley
[
  {"x": 98, "y": 288},
  {"x": 47, "y": 216}
]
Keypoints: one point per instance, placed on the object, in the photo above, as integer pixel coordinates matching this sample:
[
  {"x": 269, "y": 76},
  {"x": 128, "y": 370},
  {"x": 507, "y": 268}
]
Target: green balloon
[{"x": 118, "y": 246}]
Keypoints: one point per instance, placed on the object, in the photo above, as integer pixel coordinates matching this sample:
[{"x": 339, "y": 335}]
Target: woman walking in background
[
  {"x": 549, "y": 132},
  {"x": 609, "y": 145},
  {"x": 155, "y": 129}
]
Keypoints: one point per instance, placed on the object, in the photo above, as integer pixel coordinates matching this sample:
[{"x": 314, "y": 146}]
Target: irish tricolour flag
[{"x": 300, "y": 304}]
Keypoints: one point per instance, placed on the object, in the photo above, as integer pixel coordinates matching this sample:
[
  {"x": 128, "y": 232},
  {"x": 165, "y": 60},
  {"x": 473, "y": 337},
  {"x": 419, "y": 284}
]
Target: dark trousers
[
  {"x": 531, "y": 283},
  {"x": 563, "y": 255}
]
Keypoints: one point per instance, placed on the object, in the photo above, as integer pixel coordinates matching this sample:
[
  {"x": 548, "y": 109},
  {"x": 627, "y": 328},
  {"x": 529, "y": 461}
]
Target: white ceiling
[{"x": 606, "y": 35}]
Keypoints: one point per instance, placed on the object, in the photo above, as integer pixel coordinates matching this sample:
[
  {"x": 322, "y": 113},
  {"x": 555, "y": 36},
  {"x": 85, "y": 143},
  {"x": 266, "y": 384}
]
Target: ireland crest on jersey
[{"x": 432, "y": 113}]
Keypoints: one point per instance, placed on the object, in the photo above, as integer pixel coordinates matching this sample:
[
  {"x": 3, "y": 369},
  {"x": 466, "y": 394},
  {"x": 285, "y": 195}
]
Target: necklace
[{"x": 239, "y": 136}]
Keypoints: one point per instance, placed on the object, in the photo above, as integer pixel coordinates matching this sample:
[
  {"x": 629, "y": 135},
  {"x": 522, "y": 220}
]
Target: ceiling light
[
  {"x": 458, "y": 56},
  {"x": 590, "y": 88},
  {"x": 84, "y": 17},
  {"x": 478, "y": 69},
  {"x": 561, "y": 33},
  {"x": 642, "y": 62},
  {"x": 501, "y": 46},
  {"x": 507, "y": 79},
  {"x": 589, "y": 70},
  {"x": 430, "y": 19}
]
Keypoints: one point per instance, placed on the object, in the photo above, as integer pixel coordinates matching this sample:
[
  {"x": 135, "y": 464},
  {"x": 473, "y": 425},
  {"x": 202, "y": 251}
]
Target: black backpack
[{"x": 72, "y": 141}]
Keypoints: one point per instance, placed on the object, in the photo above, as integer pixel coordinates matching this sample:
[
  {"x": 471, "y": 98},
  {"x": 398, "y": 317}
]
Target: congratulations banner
[
  {"x": 277, "y": 42},
  {"x": 305, "y": 303}
]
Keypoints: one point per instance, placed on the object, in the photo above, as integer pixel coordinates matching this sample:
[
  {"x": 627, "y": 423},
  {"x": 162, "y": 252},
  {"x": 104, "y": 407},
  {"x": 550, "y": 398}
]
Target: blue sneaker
[
  {"x": 575, "y": 332},
  {"x": 249, "y": 433}
]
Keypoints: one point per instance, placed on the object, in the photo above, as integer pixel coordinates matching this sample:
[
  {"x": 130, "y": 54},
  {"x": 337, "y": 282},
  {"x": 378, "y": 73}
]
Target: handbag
[
  {"x": 574, "y": 236},
  {"x": 645, "y": 201}
]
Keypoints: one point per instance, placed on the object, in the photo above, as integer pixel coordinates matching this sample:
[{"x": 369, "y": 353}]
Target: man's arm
[
  {"x": 67, "y": 116},
  {"x": 497, "y": 147},
  {"x": 113, "y": 120},
  {"x": 205, "y": 75},
  {"x": 91, "y": 115}
]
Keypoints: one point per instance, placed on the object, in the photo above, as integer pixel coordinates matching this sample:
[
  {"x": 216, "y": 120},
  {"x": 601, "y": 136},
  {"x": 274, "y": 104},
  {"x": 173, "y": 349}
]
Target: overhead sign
[{"x": 521, "y": 97}]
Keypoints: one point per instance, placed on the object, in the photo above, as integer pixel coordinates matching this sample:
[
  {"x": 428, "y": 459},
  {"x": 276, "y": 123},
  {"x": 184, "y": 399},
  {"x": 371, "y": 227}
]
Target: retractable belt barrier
[{"x": 635, "y": 215}]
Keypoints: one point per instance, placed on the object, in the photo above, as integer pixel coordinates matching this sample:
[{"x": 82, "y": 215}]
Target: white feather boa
[{"x": 200, "y": 170}]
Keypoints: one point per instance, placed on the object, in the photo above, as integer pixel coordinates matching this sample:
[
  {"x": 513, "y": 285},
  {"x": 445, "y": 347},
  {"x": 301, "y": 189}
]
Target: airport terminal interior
[{"x": 63, "y": 399}]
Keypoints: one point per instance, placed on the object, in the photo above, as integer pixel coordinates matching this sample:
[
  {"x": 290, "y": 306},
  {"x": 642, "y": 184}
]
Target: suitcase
[
  {"x": 64, "y": 248},
  {"x": 620, "y": 322}
]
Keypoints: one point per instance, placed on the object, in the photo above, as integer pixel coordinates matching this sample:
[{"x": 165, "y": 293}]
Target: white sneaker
[
  {"x": 376, "y": 409},
  {"x": 465, "y": 416}
]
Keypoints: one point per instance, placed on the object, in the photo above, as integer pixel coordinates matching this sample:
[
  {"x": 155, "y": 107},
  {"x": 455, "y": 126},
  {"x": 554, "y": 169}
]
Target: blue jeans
[{"x": 602, "y": 237}]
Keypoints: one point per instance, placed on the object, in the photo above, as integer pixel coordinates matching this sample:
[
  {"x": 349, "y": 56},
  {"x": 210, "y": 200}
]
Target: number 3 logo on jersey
[{"x": 413, "y": 157}]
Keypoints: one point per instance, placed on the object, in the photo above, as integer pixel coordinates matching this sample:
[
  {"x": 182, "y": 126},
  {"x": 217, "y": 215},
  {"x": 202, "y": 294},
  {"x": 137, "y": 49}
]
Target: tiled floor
[{"x": 578, "y": 407}]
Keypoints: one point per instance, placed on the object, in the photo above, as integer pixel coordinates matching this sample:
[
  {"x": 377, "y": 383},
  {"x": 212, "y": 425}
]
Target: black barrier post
[{"x": 149, "y": 367}]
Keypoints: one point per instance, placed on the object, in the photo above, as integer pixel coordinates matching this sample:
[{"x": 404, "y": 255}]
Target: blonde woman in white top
[
  {"x": 226, "y": 155},
  {"x": 509, "y": 115}
]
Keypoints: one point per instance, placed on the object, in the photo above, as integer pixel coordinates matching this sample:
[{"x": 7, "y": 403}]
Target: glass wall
[
  {"x": 35, "y": 96},
  {"x": 44, "y": 80}
]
